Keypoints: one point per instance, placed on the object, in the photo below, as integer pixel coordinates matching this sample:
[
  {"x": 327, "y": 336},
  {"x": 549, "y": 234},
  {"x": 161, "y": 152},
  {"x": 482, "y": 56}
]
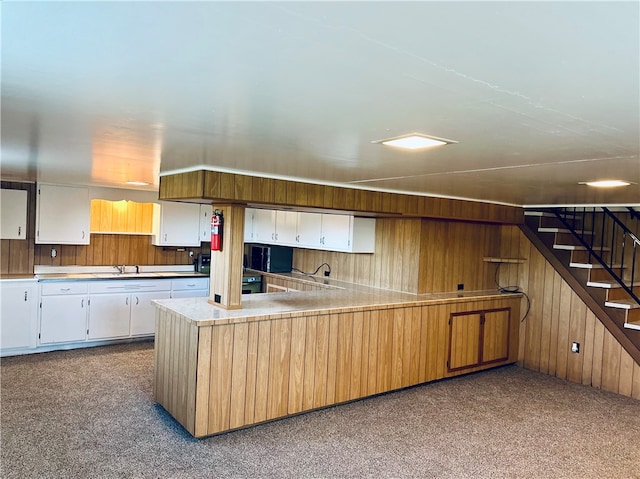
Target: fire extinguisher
[{"x": 217, "y": 221}]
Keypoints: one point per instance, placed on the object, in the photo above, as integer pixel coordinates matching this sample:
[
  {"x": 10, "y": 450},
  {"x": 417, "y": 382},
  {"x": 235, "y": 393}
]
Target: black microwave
[{"x": 270, "y": 258}]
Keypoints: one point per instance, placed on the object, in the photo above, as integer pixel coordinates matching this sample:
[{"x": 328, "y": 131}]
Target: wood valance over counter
[
  {"x": 287, "y": 353},
  {"x": 204, "y": 186}
]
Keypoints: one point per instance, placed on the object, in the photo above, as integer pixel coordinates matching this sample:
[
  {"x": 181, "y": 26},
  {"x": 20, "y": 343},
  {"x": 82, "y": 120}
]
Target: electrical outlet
[
  {"x": 54, "y": 253},
  {"x": 460, "y": 286},
  {"x": 575, "y": 347}
]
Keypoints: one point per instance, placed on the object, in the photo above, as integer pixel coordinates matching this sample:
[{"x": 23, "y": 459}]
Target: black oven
[{"x": 251, "y": 284}]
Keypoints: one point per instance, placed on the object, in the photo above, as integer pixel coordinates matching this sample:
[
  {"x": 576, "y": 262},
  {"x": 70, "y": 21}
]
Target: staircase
[{"x": 599, "y": 256}]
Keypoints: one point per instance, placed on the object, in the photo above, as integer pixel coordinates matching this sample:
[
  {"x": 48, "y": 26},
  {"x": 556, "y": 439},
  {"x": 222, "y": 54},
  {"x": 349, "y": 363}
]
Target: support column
[{"x": 225, "y": 288}]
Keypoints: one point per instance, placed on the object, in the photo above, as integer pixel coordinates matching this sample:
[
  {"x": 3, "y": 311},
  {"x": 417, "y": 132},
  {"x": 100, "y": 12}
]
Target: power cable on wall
[
  {"x": 512, "y": 290},
  {"x": 326, "y": 273}
]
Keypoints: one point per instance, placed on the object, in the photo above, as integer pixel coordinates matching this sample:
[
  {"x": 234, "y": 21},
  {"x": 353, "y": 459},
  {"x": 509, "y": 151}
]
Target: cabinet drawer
[
  {"x": 120, "y": 286},
  {"x": 189, "y": 283},
  {"x": 63, "y": 287}
]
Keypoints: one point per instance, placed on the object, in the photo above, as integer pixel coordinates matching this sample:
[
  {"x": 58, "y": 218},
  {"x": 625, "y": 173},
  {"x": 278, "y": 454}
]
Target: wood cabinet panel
[
  {"x": 279, "y": 365},
  {"x": 239, "y": 375},
  {"x": 222, "y": 343}
]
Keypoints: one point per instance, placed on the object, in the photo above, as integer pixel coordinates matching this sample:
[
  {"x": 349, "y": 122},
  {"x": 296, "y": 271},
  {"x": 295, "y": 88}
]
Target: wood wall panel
[
  {"x": 416, "y": 256},
  {"x": 557, "y": 318},
  {"x": 110, "y": 249}
]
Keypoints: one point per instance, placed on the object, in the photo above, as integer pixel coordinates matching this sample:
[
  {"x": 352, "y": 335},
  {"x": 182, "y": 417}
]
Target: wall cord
[{"x": 512, "y": 290}]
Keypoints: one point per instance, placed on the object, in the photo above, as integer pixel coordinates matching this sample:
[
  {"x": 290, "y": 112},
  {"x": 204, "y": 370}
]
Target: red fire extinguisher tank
[{"x": 217, "y": 221}]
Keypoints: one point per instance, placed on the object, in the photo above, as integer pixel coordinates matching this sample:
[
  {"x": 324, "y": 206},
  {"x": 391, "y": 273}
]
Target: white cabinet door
[
  {"x": 249, "y": 213},
  {"x": 363, "y": 235},
  {"x": 63, "y": 318},
  {"x": 13, "y": 214},
  {"x": 336, "y": 232},
  {"x": 109, "y": 315},
  {"x": 264, "y": 226},
  {"x": 62, "y": 214},
  {"x": 286, "y": 227},
  {"x": 143, "y": 313},
  {"x": 309, "y": 230},
  {"x": 205, "y": 223},
  {"x": 18, "y": 314},
  {"x": 176, "y": 224}
]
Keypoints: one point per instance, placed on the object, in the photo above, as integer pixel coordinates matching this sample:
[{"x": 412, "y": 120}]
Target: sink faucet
[{"x": 119, "y": 268}]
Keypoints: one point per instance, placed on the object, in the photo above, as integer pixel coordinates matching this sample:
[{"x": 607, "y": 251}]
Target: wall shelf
[{"x": 503, "y": 260}]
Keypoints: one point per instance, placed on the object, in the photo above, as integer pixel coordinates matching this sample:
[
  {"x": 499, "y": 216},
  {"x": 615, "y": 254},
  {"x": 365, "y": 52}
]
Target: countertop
[
  {"x": 88, "y": 273},
  {"x": 344, "y": 298},
  {"x": 108, "y": 276}
]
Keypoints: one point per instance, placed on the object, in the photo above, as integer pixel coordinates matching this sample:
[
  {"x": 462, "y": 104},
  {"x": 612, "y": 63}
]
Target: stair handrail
[
  {"x": 593, "y": 251},
  {"x": 633, "y": 212},
  {"x": 624, "y": 227}
]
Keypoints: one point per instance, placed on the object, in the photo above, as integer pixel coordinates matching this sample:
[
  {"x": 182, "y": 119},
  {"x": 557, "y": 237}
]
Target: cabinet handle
[
  {"x": 25, "y": 295},
  {"x": 165, "y": 237},
  {"x": 273, "y": 236},
  {"x": 127, "y": 301},
  {"x": 64, "y": 290},
  {"x": 137, "y": 301},
  {"x": 83, "y": 235},
  {"x": 19, "y": 230},
  {"x": 82, "y": 303}
]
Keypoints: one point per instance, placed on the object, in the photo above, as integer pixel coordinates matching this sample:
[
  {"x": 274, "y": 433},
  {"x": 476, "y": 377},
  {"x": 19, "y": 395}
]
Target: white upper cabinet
[
  {"x": 286, "y": 227},
  {"x": 249, "y": 214},
  {"x": 331, "y": 232},
  {"x": 176, "y": 224},
  {"x": 336, "y": 232},
  {"x": 13, "y": 215},
  {"x": 62, "y": 214},
  {"x": 309, "y": 230},
  {"x": 264, "y": 226},
  {"x": 358, "y": 237},
  {"x": 205, "y": 223}
]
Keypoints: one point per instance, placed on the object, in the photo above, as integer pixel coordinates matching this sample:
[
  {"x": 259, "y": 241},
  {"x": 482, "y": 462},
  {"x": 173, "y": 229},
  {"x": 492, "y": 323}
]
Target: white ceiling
[{"x": 538, "y": 95}]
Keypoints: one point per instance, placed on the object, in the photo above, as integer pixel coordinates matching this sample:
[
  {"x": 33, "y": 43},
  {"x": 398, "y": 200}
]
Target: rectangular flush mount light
[
  {"x": 415, "y": 141},
  {"x": 605, "y": 183}
]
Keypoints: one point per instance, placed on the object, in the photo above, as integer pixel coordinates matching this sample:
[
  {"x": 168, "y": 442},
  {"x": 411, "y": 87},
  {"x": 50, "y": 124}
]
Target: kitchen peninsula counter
[{"x": 287, "y": 353}]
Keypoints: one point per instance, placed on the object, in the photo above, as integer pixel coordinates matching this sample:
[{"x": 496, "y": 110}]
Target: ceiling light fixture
[
  {"x": 605, "y": 183},
  {"x": 137, "y": 183},
  {"x": 415, "y": 141}
]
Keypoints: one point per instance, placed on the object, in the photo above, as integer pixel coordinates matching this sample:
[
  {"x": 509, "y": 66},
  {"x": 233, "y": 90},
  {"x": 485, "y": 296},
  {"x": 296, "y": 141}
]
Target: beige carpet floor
[{"x": 90, "y": 414}]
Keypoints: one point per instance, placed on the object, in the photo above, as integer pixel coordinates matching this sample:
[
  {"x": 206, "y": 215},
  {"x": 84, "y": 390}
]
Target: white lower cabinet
[
  {"x": 63, "y": 312},
  {"x": 109, "y": 316},
  {"x": 119, "y": 309},
  {"x": 18, "y": 314},
  {"x": 189, "y": 287},
  {"x": 143, "y": 312}
]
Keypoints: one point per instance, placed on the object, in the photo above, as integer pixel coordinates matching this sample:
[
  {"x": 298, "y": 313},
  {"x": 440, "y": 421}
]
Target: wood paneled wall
[
  {"x": 559, "y": 317},
  {"x": 418, "y": 256},
  {"x": 212, "y": 186},
  {"x": 110, "y": 249}
]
